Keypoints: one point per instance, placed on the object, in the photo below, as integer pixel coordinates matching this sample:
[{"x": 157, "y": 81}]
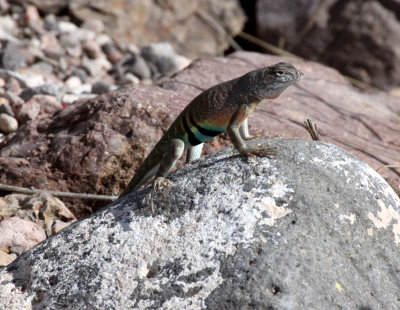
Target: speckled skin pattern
[{"x": 223, "y": 107}]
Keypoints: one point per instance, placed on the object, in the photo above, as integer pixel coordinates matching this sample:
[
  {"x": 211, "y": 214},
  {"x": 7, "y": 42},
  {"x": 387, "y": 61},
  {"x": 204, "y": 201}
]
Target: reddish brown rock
[
  {"x": 95, "y": 146},
  {"x": 359, "y": 38},
  {"x": 28, "y": 111}
]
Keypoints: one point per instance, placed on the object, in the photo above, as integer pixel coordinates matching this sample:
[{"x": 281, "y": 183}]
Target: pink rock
[
  {"x": 50, "y": 45},
  {"x": 13, "y": 86},
  {"x": 48, "y": 104},
  {"x": 58, "y": 225},
  {"x": 31, "y": 15},
  {"x": 18, "y": 232},
  {"x": 28, "y": 111}
]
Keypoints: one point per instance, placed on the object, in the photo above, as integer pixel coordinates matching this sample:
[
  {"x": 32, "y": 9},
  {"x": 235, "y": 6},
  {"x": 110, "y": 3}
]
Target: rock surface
[
  {"x": 359, "y": 38},
  {"x": 96, "y": 146},
  {"x": 49, "y": 61},
  {"x": 15, "y": 231},
  {"x": 179, "y": 22},
  {"x": 45, "y": 211},
  {"x": 8, "y": 123},
  {"x": 6, "y": 257},
  {"x": 314, "y": 228}
]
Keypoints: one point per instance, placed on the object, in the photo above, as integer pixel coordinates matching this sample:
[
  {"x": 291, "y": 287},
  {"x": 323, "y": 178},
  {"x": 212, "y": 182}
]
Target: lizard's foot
[
  {"x": 158, "y": 183},
  {"x": 262, "y": 150}
]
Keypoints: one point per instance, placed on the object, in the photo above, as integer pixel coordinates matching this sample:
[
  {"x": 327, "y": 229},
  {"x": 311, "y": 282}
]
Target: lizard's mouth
[{"x": 299, "y": 76}]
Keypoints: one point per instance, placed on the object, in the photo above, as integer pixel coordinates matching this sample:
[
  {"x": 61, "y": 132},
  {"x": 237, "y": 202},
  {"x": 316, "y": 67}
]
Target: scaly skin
[{"x": 223, "y": 107}]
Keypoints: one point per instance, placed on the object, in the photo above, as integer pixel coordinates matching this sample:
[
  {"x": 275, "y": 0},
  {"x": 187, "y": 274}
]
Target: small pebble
[
  {"x": 14, "y": 100},
  {"x": 48, "y": 104},
  {"x": 136, "y": 65},
  {"x": 73, "y": 82},
  {"x": 12, "y": 85},
  {"x": 100, "y": 87},
  {"x": 31, "y": 15},
  {"x": 82, "y": 89},
  {"x": 96, "y": 25},
  {"x": 163, "y": 56},
  {"x": 66, "y": 27},
  {"x": 129, "y": 78},
  {"x": 91, "y": 49},
  {"x": 4, "y": 100},
  {"x": 50, "y": 22},
  {"x": 97, "y": 67},
  {"x": 8, "y": 123},
  {"x": 5, "y": 108},
  {"x": 112, "y": 53},
  {"x": 71, "y": 98},
  {"x": 28, "y": 112}
]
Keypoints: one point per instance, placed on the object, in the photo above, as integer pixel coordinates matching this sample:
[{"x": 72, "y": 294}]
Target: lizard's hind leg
[{"x": 172, "y": 153}]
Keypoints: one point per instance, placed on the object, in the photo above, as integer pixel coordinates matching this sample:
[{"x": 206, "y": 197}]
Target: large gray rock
[{"x": 314, "y": 228}]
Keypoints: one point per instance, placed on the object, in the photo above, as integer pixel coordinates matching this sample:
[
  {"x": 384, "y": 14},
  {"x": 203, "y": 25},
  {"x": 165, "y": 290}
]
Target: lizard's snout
[{"x": 300, "y": 75}]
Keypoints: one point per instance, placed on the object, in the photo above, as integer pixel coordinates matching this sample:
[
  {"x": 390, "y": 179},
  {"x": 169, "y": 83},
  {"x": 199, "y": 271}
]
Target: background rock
[
  {"x": 96, "y": 146},
  {"x": 46, "y": 211},
  {"x": 164, "y": 58},
  {"x": 177, "y": 22},
  {"x": 15, "y": 231},
  {"x": 359, "y": 38},
  {"x": 8, "y": 123},
  {"x": 313, "y": 228},
  {"x": 50, "y": 6}
]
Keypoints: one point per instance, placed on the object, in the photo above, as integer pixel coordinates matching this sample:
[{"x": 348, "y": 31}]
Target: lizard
[{"x": 224, "y": 107}]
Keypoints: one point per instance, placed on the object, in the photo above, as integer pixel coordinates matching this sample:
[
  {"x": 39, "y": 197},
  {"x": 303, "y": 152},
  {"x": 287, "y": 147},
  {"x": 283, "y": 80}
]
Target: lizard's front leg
[
  {"x": 235, "y": 130},
  {"x": 172, "y": 153},
  {"x": 244, "y": 131}
]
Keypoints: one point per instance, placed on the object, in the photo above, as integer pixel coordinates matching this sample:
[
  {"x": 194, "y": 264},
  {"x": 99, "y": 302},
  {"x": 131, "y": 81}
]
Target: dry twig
[
  {"x": 312, "y": 129},
  {"x": 31, "y": 191}
]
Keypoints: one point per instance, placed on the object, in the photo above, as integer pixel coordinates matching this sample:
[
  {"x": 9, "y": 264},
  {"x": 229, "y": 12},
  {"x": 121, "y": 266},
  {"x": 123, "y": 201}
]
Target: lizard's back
[{"x": 205, "y": 117}]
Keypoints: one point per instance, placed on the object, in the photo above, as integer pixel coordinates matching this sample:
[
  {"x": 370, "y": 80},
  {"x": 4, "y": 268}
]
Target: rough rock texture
[
  {"x": 185, "y": 24},
  {"x": 359, "y": 38},
  {"x": 6, "y": 257},
  {"x": 15, "y": 231},
  {"x": 314, "y": 228},
  {"x": 95, "y": 146},
  {"x": 44, "y": 210},
  {"x": 8, "y": 123}
]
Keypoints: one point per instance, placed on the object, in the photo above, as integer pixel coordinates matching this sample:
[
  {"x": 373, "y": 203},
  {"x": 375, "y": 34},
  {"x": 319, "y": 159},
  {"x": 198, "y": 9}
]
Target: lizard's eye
[{"x": 279, "y": 73}]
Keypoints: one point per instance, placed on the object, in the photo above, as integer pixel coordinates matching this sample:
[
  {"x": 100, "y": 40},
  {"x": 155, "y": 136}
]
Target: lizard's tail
[{"x": 142, "y": 176}]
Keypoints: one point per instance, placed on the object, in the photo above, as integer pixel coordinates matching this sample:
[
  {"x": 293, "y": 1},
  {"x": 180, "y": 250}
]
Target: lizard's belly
[{"x": 197, "y": 134}]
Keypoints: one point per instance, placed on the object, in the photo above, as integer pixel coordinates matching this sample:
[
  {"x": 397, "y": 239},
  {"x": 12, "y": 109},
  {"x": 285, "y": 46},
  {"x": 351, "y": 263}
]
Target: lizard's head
[{"x": 270, "y": 82}]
